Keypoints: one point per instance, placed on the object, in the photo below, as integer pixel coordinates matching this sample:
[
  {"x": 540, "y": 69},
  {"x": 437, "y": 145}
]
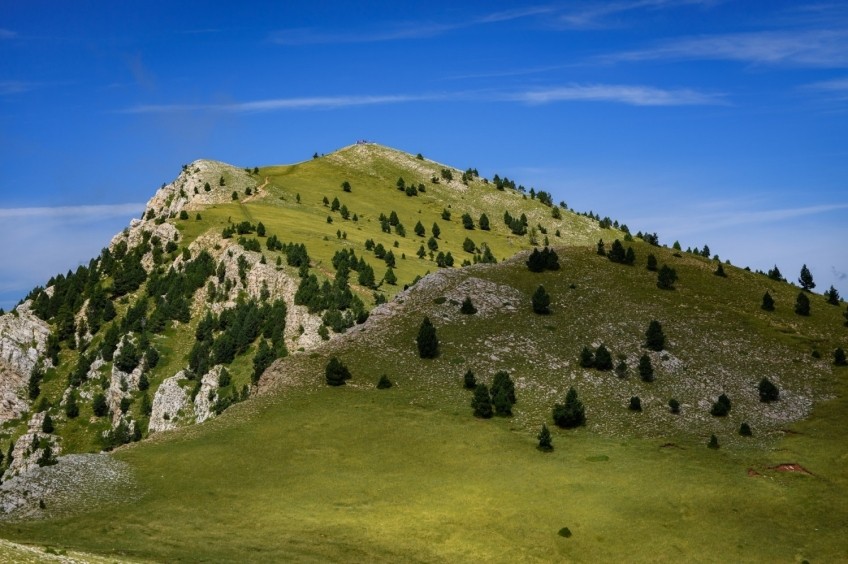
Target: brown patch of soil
[
  {"x": 790, "y": 432},
  {"x": 753, "y": 473},
  {"x": 671, "y": 445},
  {"x": 791, "y": 467}
]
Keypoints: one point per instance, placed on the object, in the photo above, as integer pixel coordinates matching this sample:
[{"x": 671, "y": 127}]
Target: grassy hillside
[{"x": 309, "y": 472}]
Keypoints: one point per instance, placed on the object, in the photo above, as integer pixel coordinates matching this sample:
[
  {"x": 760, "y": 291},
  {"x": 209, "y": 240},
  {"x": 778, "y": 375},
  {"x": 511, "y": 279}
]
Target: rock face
[
  {"x": 204, "y": 402},
  {"x": 26, "y": 453},
  {"x": 169, "y": 404},
  {"x": 23, "y": 339},
  {"x": 12, "y": 387}
]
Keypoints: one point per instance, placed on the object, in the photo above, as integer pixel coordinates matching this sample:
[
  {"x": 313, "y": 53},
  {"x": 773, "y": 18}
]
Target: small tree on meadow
[
  {"x": 435, "y": 230},
  {"x": 713, "y": 442},
  {"x": 587, "y": 358},
  {"x": 571, "y": 413},
  {"x": 646, "y": 369},
  {"x": 467, "y": 307},
  {"x": 719, "y": 271},
  {"x": 336, "y": 373},
  {"x": 544, "y": 437},
  {"x": 674, "y": 406},
  {"x": 427, "y": 341},
  {"x": 721, "y": 407},
  {"x": 390, "y": 276},
  {"x": 47, "y": 424},
  {"x": 806, "y": 279},
  {"x": 601, "y": 248},
  {"x": 484, "y": 222},
  {"x": 652, "y": 263},
  {"x": 346, "y": 186},
  {"x": 666, "y": 278},
  {"x": 745, "y": 430},
  {"x": 768, "y": 302},
  {"x": 768, "y": 391},
  {"x": 802, "y": 304},
  {"x": 654, "y": 336},
  {"x": 839, "y": 357},
  {"x": 384, "y": 383},
  {"x": 635, "y": 404},
  {"x": 71, "y": 407},
  {"x": 481, "y": 402},
  {"x": 832, "y": 296},
  {"x": 541, "y": 301},
  {"x": 99, "y": 405},
  {"x": 603, "y": 358},
  {"x": 469, "y": 381}
]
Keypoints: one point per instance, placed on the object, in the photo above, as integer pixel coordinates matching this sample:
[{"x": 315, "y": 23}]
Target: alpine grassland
[{"x": 304, "y": 471}]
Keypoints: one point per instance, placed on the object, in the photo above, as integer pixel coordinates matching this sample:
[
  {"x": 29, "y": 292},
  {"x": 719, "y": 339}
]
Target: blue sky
[{"x": 709, "y": 122}]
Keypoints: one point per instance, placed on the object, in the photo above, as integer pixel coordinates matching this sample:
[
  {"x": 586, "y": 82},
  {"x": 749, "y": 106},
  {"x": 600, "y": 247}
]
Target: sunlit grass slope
[{"x": 311, "y": 473}]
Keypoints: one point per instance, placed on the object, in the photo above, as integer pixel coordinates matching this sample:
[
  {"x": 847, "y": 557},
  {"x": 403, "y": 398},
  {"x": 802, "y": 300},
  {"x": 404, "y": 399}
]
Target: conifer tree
[
  {"x": 467, "y": 307},
  {"x": 483, "y": 222},
  {"x": 721, "y": 407},
  {"x": 336, "y": 373},
  {"x": 390, "y": 276},
  {"x": 806, "y": 279},
  {"x": 601, "y": 250},
  {"x": 666, "y": 278},
  {"x": 775, "y": 274},
  {"x": 419, "y": 229},
  {"x": 635, "y": 404},
  {"x": 839, "y": 357},
  {"x": 719, "y": 271},
  {"x": 541, "y": 301},
  {"x": 802, "y": 304},
  {"x": 713, "y": 443},
  {"x": 654, "y": 336},
  {"x": 544, "y": 437},
  {"x": 435, "y": 230},
  {"x": 674, "y": 405},
  {"x": 481, "y": 402},
  {"x": 652, "y": 263},
  {"x": 384, "y": 383},
  {"x": 47, "y": 424},
  {"x": 768, "y": 391},
  {"x": 71, "y": 408},
  {"x": 571, "y": 413},
  {"x": 745, "y": 430},
  {"x": 427, "y": 341},
  {"x": 646, "y": 370},
  {"x": 587, "y": 358},
  {"x": 603, "y": 358},
  {"x": 469, "y": 381},
  {"x": 768, "y": 302},
  {"x": 832, "y": 296},
  {"x": 99, "y": 405}
]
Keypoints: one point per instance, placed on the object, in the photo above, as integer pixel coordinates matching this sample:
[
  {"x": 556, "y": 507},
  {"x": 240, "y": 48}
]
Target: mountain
[{"x": 223, "y": 304}]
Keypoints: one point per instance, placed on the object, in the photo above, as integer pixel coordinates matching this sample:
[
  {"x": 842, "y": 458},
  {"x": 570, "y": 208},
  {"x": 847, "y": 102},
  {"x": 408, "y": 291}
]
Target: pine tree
[
  {"x": 484, "y": 222},
  {"x": 541, "y": 301},
  {"x": 775, "y": 274},
  {"x": 469, "y": 381},
  {"x": 802, "y": 304},
  {"x": 99, "y": 405},
  {"x": 467, "y": 307},
  {"x": 745, "y": 430},
  {"x": 481, "y": 402},
  {"x": 839, "y": 357},
  {"x": 336, "y": 373},
  {"x": 47, "y": 424},
  {"x": 832, "y": 296},
  {"x": 419, "y": 229},
  {"x": 768, "y": 391},
  {"x": 544, "y": 437},
  {"x": 713, "y": 442},
  {"x": 427, "y": 341},
  {"x": 390, "y": 276},
  {"x": 603, "y": 358},
  {"x": 587, "y": 358},
  {"x": 666, "y": 278},
  {"x": 674, "y": 405},
  {"x": 635, "y": 404},
  {"x": 806, "y": 279},
  {"x": 435, "y": 230},
  {"x": 71, "y": 408},
  {"x": 652, "y": 263},
  {"x": 768, "y": 302},
  {"x": 570, "y": 414},
  {"x": 721, "y": 407},
  {"x": 601, "y": 250},
  {"x": 654, "y": 336},
  {"x": 384, "y": 383},
  {"x": 646, "y": 370},
  {"x": 719, "y": 271}
]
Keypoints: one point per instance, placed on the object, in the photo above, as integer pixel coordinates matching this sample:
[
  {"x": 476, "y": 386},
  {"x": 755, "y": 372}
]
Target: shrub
[
  {"x": 544, "y": 437},
  {"x": 654, "y": 336},
  {"x": 467, "y": 307},
  {"x": 427, "y": 341},
  {"x": 646, "y": 369},
  {"x": 384, "y": 383},
  {"x": 674, "y": 405},
  {"x": 745, "y": 430},
  {"x": 721, "y": 407},
  {"x": 481, "y": 402},
  {"x": 336, "y": 373},
  {"x": 839, "y": 357},
  {"x": 541, "y": 301},
  {"x": 713, "y": 443},
  {"x": 469, "y": 381},
  {"x": 768, "y": 302},
  {"x": 635, "y": 404},
  {"x": 571, "y": 413},
  {"x": 768, "y": 391}
]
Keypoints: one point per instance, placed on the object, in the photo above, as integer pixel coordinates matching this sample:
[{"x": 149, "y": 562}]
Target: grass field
[{"x": 309, "y": 473}]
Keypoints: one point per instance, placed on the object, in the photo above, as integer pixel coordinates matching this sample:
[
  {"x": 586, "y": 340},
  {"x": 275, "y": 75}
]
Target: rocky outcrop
[
  {"x": 12, "y": 391},
  {"x": 204, "y": 401},
  {"x": 169, "y": 404},
  {"x": 28, "y": 447},
  {"x": 23, "y": 339}
]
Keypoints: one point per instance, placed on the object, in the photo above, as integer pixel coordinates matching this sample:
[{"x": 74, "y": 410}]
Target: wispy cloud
[
  {"x": 400, "y": 31},
  {"x": 807, "y": 48},
  {"x": 835, "y": 90},
  {"x": 622, "y": 94},
  {"x": 307, "y": 103},
  {"x": 597, "y": 14},
  {"x": 73, "y": 212},
  {"x": 7, "y": 34},
  {"x": 8, "y": 87}
]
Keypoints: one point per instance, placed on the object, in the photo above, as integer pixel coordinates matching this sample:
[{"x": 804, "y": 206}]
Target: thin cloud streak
[
  {"x": 9, "y": 87},
  {"x": 623, "y": 94},
  {"x": 7, "y": 34},
  {"x": 72, "y": 212},
  {"x": 413, "y": 30},
  {"x": 810, "y": 48},
  {"x": 593, "y": 15}
]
